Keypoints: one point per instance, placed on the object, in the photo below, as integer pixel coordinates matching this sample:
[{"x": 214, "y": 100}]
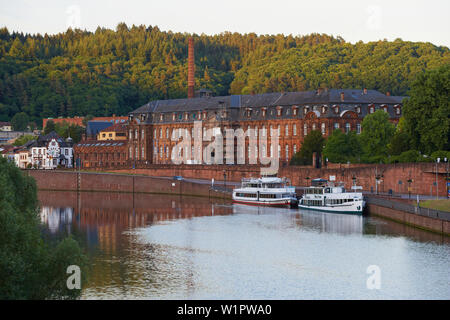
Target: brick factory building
[{"x": 292, "y": 114}]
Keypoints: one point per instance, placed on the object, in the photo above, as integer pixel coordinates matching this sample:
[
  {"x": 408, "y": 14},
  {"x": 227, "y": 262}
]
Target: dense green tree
[
  {"x": 427, "y": 111},
  {"x": 313, "y": 143},
  {"x": 20, "y": 121},
  {"x": 49, "y": 127},
  {"x": 30, "y": 268},
  {"x": 107, "y": 72},
  {"x": 375, "y": 136},
  {"x": 342, "y": 147},
  {"x": 24, "y": 139},
  {"x": 399, "y": 143}
]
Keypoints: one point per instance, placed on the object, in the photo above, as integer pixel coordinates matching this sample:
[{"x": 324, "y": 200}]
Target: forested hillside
[{"x": 107, "y": 71}]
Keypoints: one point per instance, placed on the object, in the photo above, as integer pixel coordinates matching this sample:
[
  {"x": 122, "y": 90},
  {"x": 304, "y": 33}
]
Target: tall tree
[
  {"x": 342, "y": 147},
  {"x": 20, "y": 121},
  {"x": 313, "y": 143},
  {"x": 427, "y": 111},
  {"x": 375, "y": 136},
  {"x": 31, "y": 268}
]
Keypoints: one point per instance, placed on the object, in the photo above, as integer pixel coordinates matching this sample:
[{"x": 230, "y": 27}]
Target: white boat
[
  {"x": 266, "y": 191},
  {"x": 325, "y": 196}
]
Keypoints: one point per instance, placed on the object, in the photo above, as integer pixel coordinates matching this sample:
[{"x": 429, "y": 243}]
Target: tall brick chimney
[{"x": 191, "y": 69}]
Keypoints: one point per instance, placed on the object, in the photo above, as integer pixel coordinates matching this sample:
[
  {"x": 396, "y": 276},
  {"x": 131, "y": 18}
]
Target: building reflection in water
[{"x": 125, "y": 266}]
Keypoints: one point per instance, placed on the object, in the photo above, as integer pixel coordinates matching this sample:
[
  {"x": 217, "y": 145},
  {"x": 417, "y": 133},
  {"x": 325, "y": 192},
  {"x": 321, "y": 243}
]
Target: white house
[{"x": 51, "y": 151}]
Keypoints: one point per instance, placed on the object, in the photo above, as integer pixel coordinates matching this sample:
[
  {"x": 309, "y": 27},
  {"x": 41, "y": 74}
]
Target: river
[{"x": 146, "y": 246}]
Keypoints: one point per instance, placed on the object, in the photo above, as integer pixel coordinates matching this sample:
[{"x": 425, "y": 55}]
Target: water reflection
[{"x": 158, "y": 247}]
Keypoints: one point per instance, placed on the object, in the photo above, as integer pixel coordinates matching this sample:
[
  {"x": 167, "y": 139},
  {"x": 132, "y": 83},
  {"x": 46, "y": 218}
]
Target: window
[
  {"x": 295, "y": 148},
  {"x": 323, "y": 127},
  {"x": 142, "y": 134},
  {"x": 131, "y": 153},
  {"x": 314, "y": 126},
  {"x": 287, "y": 152},
  {"x": 279, "y": 151},
  {"x": 294, "y": 130},
  {"x": 263, "y": 131},
  {"x": 336, "y": 109},
  {"x": 279, "y": 112},
  {"x": 358, "y": 109},
  {"x": 154, "y": 133},
  {"x": 135, "y": 134},
  {"x": 305, "y": 129},
  {"x": 143, "y": 153},
  {"x": 372, "y": 109},
  {"x": 264, "y": 112},
  {"x": 136, "y": 153},
  {"x": 167, "y": 133},
  {"x": 358, "y": 128},
  {"x": 336, "y": 125},
  {"x": 160, "y": 133},
  {"x": 131, "y": 134},
  {"x": 295, "y": 111},
  {"x": 398, "y": 111},
  {"x": 173, "y": 117},
  {"x": 347, "y": 127},
  {"x": 286, "y": 130},
  {"x": 161, "y": 117}
]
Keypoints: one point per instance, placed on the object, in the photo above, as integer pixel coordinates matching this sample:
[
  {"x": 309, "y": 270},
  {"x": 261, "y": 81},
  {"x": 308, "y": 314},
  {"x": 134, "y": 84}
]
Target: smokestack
[{"x": 191, "y": 69}]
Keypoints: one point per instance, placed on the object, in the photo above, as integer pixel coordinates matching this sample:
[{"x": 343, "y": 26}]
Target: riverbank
[
  {"x": 403, "y": 212},
  {"x": 430, "y": 220}
]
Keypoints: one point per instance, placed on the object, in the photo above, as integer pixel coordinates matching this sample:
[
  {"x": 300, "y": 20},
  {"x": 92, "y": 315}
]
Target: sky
[{"x": 413, "y": 20}]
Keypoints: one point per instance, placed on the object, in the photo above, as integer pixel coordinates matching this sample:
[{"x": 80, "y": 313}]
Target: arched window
[
  {"x": 287, "y": 152},
  {"x": 294, "y": 130},
  {"x": 286, "y": 130}
]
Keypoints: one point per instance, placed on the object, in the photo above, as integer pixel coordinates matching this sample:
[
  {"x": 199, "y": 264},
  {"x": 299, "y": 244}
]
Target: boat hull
[
  {"x": 281, "y": 203},
  {"x": 337, "y": 209}
]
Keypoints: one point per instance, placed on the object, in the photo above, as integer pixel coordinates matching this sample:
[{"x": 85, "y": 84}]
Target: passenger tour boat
[
  {"x": 326, "y": 196},
  {"x": 267, "y": 191}
]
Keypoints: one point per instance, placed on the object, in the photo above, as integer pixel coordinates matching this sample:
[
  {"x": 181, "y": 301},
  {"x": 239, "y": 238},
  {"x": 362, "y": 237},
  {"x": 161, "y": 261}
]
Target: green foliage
[
  {"x": 20, "y": 121},
  {"x": 313, "y": 143},
  {"x": 342, "y": 148},
  {"x": 399, "y": 143},
  {"x": 407, "y": 156},
  {"x": 49, "y": 127},
  {"x": 442, "y": 154},
  {"x": 24, "y": 139},
  {"x": 427, "y": 111},
  {"x": 375, "y": 136},
  {"x": 104, "y": 72},
  {"x": 29, "y": 267},
  {"x": 66, "y": 130}
]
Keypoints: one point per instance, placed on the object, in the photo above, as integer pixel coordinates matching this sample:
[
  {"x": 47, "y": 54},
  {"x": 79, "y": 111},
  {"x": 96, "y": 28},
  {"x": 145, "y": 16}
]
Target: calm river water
[{"x": 171, "y": 247}]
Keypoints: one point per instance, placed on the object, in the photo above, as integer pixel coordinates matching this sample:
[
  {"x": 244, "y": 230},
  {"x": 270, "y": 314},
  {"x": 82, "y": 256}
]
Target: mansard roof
[{"x": 322, "y": 97}]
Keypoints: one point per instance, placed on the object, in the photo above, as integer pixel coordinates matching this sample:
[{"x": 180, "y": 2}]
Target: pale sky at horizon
[{"x": 414, "y": 20}]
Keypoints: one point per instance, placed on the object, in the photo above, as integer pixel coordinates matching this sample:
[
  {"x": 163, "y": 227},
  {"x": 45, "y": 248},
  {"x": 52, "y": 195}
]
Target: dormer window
[
  {"x": 385, "y": 108},
  {"x": 371, "y": 108},
  {"x": 173, "y": 117},
  {"x": 186, "y": 116},
  {"x": 324, "y": 109},
  {"x": 336, "y": 109},
  {"x": 264, "y": 111},
  {"x": 161, "y": 117},
  {"x": 305, "y": 110},
  {"x": 358, "y": 109},
  {"x": 248, "y": 112},
  {"x": 204, "y": 115},
  {"x": 279, "y": 109},
  {"x": 398, "y": 110},
  {"x": 295, "y": 110}
]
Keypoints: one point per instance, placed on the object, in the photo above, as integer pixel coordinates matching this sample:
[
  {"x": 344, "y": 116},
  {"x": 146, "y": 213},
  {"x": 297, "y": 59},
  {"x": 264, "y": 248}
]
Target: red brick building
[{"x": 292, "y": 114}]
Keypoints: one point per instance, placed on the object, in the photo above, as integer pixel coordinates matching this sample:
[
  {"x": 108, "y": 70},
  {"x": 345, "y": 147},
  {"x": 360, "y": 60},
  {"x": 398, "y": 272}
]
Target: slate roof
[
  {"x": 43, "y": 140},
  {"x": 94, "y": 127},
  {"x": 325, "y": 97}
]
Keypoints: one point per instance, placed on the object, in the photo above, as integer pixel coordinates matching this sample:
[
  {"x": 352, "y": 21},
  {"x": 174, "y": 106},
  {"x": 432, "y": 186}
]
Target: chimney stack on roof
[
  {"x": 388, "y": 93},
  {"x": 191, "y": 69}
]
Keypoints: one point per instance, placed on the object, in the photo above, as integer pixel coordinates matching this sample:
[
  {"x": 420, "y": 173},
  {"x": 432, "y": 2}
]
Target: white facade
[{"x": 52, "y": 155}]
